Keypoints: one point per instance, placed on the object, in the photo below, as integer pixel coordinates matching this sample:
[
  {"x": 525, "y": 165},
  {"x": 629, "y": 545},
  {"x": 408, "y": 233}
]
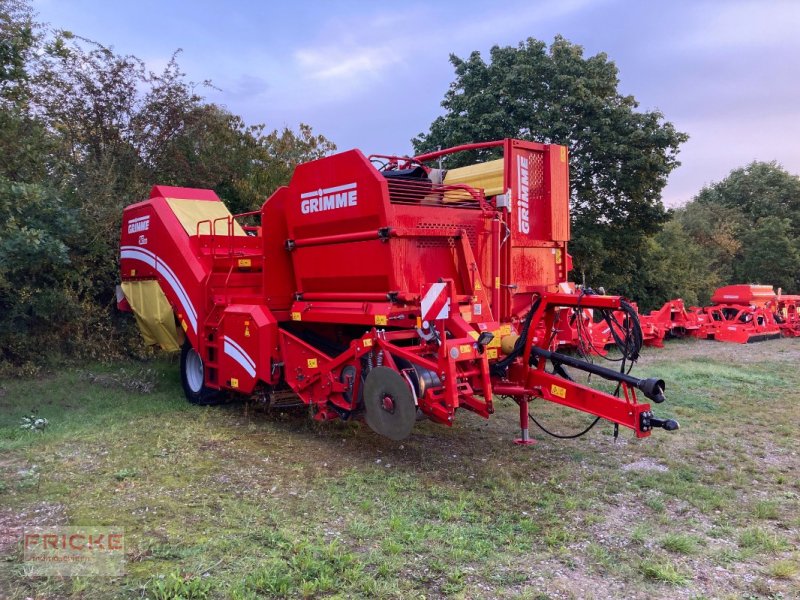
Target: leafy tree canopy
[
  {"x": 748, "y": 225},
  {"x": 758, "y": 190},
  {"x": 619, "y": 157},
  {"x": 85, "y": 131},
  {"x": 17, "y": 38}
]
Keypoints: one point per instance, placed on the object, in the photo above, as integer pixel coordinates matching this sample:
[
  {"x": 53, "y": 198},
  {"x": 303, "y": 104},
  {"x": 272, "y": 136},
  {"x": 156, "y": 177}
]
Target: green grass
[
  {"x": 762, "y": 541},
  {"x": 680, "y": 543},
  {"x": 784, "y": 569},
  {"x": 235, "y": 502},
  {"x": 766, "y": 509},
  {"x": 176, "y": 586},
  {"x": 664, "y": 572}
]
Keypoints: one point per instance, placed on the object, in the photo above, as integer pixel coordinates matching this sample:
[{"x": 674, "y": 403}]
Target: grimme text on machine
[{"x": 383, "y": 288}]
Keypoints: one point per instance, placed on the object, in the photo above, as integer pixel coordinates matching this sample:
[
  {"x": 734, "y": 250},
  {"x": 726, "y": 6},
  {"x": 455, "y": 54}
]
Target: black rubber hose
[
  {"x": 501, "y": 366},
  {"x": 559, "y": 435},
  {"x": 631, "y": 344}
]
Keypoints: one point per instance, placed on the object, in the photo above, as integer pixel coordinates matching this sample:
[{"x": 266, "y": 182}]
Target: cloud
[
  {"x": 350, "y": 64},
  {"x": 368, "y": 50},
  {"x": 742, "y": 25}
]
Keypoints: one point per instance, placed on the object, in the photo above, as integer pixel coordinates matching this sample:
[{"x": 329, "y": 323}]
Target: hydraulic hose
[
  {"x": 652, "y": 388},
  {"x": 499, "y": 368}
]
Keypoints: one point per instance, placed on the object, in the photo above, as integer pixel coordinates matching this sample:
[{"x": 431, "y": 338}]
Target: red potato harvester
[{"x": 381, "y": 288}]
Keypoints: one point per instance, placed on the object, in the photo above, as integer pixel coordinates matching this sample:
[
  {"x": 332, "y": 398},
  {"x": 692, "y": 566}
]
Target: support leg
[{"x": 524, "y": 439}]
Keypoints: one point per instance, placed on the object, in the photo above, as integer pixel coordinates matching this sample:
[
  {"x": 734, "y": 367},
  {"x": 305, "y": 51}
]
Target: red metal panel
[
  {"x": 154, "y": 245},
  {"x": 756, "y": 295},
  {"x": 336, "y": 194},
  {"x": 557, "y": 201},
  {"x": 279, "y": 278},
  {"x": 529, "y": 213},
  {"x": 347, "y": 268},
  {"x": 425, "y": 255},
  {"x": 249, "y": 345},
  {"x": 339, "y": 195},
  {"x": 536, "y": 260}
]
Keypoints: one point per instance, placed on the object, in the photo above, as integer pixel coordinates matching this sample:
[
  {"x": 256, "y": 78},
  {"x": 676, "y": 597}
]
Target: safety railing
[
  {"x": 227, "y": 244},
  {"x": 422, "y": 190},
  {"x": 425, "y": 192}
]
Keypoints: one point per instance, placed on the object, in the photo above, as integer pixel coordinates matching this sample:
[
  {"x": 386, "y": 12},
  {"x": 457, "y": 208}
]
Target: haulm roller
[{"x": 382, "y": 288}]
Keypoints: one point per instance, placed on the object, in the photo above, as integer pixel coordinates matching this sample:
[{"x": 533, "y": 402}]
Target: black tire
[{"x": 193, "y": 378}]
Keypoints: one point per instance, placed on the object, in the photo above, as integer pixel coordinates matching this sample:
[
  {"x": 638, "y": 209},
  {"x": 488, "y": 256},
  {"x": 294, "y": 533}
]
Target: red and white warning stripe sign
[{"x": 435, "y": 302}]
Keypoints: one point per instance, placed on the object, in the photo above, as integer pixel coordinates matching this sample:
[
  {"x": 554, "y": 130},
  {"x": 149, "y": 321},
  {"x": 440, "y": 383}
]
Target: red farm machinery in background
[
  {"x": 740, "y": 314},
  {"x": 786, "y": 310},
  {"x": 382, "y": 288}
]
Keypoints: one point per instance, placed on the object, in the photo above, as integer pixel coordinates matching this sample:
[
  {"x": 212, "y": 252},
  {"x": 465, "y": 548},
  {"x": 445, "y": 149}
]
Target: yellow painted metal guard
[
  {"x": 487, "y": 176},
  {"x": 192, "y": 212},
  {"x": 153, "y": 313}
]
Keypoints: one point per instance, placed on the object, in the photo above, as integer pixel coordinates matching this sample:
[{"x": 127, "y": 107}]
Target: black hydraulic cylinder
[{"x": 652, "y": 388}]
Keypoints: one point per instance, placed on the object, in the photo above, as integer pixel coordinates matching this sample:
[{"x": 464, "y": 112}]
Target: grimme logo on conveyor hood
[
  {"x": 140, "y": 224},
  {"x": 524, "y": 192},
  {"x": 330, "y": 198}
]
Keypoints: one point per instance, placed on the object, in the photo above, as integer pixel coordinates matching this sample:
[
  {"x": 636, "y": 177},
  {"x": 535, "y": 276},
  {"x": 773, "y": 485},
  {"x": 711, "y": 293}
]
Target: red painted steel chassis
[{"x": 354, "y": 267}]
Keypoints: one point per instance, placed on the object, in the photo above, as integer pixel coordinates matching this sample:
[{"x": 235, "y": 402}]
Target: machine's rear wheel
[
  {"x": 193, "y": 377},
  {"x": 388, "y": 404}
]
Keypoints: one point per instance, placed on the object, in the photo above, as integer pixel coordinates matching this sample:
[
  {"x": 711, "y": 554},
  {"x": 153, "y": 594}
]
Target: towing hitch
[{"x": 648, "y": 422}]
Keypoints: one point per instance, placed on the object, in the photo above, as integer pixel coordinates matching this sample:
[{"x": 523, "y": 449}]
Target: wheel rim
[{"x": 194, "y": 371}]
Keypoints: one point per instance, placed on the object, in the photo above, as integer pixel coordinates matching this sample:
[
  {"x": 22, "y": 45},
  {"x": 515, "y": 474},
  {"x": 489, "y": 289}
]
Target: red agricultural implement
[
  {"x": 740, "y": 314},
  {"x": 786, "y": 311},
  {"x": 672, "y": 320},
  {"x": 654, "y": 327},
  {"x": 591, "y": 336},
  {"x": 380, "y": 288}
]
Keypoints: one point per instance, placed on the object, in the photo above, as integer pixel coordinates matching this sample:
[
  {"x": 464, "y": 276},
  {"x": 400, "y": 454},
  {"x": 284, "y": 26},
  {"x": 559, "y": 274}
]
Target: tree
[
  {"x": 716, "y": 229},
  {"x": 674, "y": 266},
  {"x": 216, "y": 149},
  {"x": 758, "y": 190},
  {"x": 85, "y": 131},
  {"x": 769, "y": 255},
  {"x": 619, "y": 157},
  {"x": 37, "y": 230},
  {"x": 17, "y": 38},
  {"x": 748, "y": 225}
]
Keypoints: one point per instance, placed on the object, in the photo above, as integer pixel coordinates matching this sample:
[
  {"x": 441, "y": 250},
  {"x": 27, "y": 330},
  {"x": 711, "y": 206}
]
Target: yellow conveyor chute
[{"x": 153, "y": 313}]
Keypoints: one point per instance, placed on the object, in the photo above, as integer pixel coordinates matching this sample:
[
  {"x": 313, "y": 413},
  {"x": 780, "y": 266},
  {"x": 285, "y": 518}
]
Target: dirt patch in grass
[
  {"x": 645, "y": 464},
  {"x": 13, "y": 522}
]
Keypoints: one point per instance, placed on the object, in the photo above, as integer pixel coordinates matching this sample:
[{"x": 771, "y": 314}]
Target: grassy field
[{"x": 235, "y": 502}]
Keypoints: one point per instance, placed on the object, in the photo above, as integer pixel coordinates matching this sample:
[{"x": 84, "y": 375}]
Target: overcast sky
[{"x": 371, "y": 75}]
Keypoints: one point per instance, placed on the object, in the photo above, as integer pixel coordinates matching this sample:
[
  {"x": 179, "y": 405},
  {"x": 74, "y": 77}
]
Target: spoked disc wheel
[{"x": 388, "y": 404}]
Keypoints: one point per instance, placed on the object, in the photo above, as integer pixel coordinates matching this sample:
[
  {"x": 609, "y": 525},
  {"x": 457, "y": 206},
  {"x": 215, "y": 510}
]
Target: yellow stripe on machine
[{"x": 153, "y": 313}]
